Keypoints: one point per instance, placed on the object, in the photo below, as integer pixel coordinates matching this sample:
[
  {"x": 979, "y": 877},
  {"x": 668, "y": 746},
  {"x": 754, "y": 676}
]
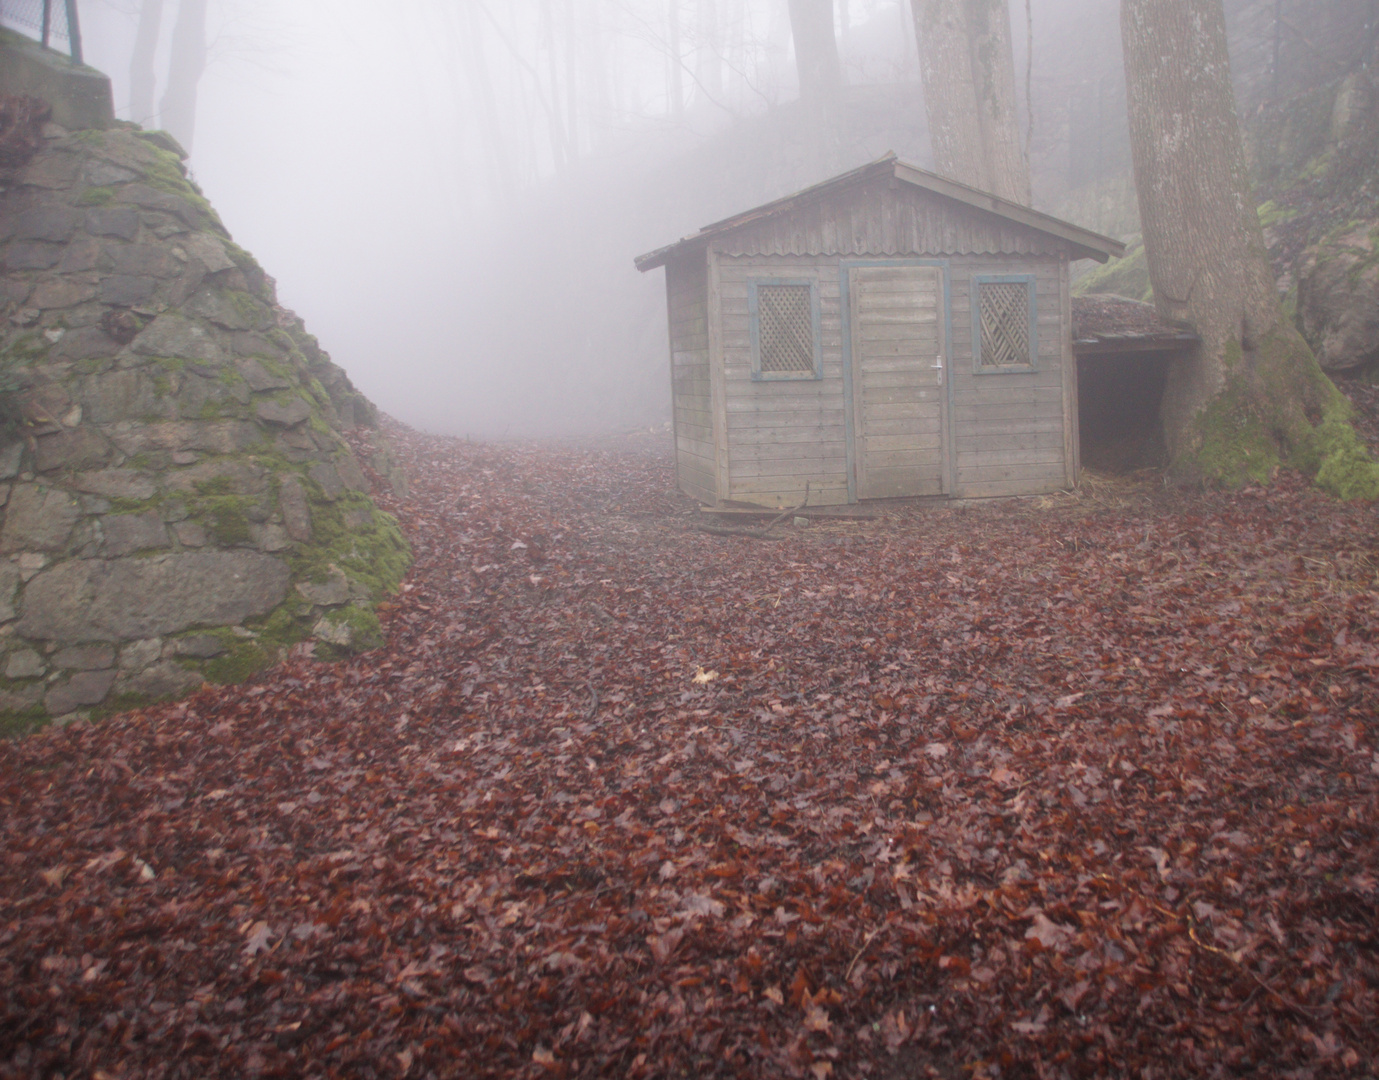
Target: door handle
[{"x": 937, "y": 369}]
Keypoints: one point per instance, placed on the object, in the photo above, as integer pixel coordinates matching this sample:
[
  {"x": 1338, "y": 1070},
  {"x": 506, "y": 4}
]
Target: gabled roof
[
  {"x": 1085, "y": 244},
  {"x": 1105, "y": 324}
]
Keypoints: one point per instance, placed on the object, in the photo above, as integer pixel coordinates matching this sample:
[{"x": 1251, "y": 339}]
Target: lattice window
[
  {"x": 785, "y": 316},
  {"x": 1004, "y": 324}
]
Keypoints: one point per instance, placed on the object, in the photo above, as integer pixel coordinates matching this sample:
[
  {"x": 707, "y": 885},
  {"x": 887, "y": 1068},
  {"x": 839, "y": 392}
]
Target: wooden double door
[{"x": 899, "y": 376}]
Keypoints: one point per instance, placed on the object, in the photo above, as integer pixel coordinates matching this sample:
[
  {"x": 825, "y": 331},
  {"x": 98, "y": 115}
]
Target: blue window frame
[
  {"x": 1005, "y": 324},
  {"x": 786, "y": 332}
]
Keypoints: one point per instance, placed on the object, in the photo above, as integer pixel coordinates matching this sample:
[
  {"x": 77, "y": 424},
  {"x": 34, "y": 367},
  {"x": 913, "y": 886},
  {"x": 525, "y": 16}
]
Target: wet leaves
[{"x": 1088, "y": 788}]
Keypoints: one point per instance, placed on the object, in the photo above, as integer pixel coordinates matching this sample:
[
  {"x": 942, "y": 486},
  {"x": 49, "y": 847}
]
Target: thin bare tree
[{"x": 141, "y": 75}]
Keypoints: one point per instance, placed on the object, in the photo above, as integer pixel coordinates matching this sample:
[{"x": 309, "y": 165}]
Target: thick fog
[{"x": 452, "y": 193}]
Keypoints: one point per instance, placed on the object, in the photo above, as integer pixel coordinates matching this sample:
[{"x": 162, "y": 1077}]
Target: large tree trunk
[
  {"x": 188, "y": 64},
  {"x": 1253, "y": 391},
  {"x": 967, "y": 68},
  {"x": 816, "y": 50},
  {"x": 141, "y": 78}
]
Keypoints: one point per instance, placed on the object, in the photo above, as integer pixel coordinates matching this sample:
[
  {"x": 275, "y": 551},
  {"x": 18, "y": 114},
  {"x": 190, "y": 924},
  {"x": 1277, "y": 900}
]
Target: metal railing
[{"x": 45, "y": 20}]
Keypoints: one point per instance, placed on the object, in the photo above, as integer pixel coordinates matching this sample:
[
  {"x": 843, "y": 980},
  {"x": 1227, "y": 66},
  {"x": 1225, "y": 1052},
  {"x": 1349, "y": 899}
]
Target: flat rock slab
[{"x": 129, "y": 599}]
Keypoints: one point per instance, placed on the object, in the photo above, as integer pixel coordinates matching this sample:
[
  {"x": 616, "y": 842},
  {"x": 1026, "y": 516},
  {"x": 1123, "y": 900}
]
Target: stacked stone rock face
[{"x": 179, "y": 503}]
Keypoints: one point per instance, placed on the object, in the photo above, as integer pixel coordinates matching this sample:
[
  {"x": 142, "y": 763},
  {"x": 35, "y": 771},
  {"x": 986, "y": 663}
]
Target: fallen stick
[{"x": 759, "y": 534}]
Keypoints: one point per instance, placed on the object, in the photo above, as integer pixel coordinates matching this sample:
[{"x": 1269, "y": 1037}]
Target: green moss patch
[{"x": 1128, "y": 277}]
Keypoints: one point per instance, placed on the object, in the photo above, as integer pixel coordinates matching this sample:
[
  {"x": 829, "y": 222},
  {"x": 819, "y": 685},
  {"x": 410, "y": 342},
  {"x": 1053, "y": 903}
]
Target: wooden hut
[{"x": 888, "y": 333}]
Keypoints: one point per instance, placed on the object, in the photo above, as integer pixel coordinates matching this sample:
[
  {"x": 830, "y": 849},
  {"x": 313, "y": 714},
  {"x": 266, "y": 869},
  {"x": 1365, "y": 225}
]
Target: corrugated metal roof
[{"x": 1084, "y": 243}]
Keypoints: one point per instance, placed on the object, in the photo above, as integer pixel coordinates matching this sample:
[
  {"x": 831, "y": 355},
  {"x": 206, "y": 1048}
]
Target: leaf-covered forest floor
[{"x": 1083, "y": 785}]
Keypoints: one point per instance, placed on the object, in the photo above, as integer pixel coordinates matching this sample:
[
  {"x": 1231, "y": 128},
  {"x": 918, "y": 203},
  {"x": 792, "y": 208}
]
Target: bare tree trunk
[
  {"x": 816, "y": 50},
  {"x": 1253, "y": 391},
  {"x": 141, "y": 77},
  {"x": 188, "y": 64},
  {"x": 708, "y": 63},
  {"x": 481, "y": 86},
  {"x": 967, "y": 67}
]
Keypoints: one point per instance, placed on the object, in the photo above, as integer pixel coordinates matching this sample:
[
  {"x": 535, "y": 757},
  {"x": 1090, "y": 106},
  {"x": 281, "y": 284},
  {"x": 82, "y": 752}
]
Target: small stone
[
  {"x": 161, "y": 680},
  {"x": 52, "y": 295},
  {"x": 332, "y": 592},
  {"x": 9, "y": 584},
  {"x": 351, "y": 473},
  {"x": 125, "y": 290},
  {"x": 32, "y": 561},
  {"x": 127, "y": 533},
  {"x": 270, "y": 538},
  {"x": 21, "y": 698},
  {"x": 26, "y": 316},
  {"x": 151, "y": 199},
  {"x": 116, "y": 484},
  {"x": 83, "y": 688},
  {"x": 85, "y": 658},
  {"x": 290, "y": 414},
  {"x": 10, "y": 457},
  {"x": 186, "y": 457},
  {"x": 38, "y": 518},
  {"x": 296, "y": 513},
  {"x": 189, "y": 534},
  {"x": 24, "y": 664},
  {"x": 118, "y": 221},
  {"x": 139, "y": 654},
  {"x": 200, "y": 646},
  {"x": 333, "y": 633},
  {"x": 56, "y": 172}
]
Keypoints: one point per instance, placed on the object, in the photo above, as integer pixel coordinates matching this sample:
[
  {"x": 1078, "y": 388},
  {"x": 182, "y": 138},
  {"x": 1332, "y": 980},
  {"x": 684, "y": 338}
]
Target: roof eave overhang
[{"x": 1082, "y": 243}]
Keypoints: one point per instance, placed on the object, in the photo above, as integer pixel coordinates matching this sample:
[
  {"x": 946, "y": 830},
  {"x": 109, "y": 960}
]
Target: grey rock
[
  {"x": 55, "y": 224},
  {"x": 24, "y": 664},
  {"x": 123, "y": 394},
  {"x": 174, "y": 336},
  {"x": 332, "y": 592},
  {"x": 84, "y": 658},
  {"x": 38, "y": 518},
  {"x": 125, "y": 290},
  {"x": 209, "y": 251},
  {"x": 94, "y": 504},
  {"x": 229, "y": 477},
  {"x": 270, "y": 538},
  {"x": 253, "y": 344},
  {"x": 199, "y": 646},
  {"x": 162, "y": 680},
  {"x": 117, "y": 221},
  {"x": 55, "y": 172},
  {"x": 358, "y": 517},
  {"x": 1338, "y": 298},
  {"x": 283, "y": 414},
  {"x": 214, "y": 306},
  {"x": 31, "y": 255},
  {"x": 295, "y": 511},
  {"x": 83, "y": 688},
  {"x": 259, "y": 378},
  {"x": 9, "y": 584},
  {"x": 115, "y": 484},
  {"x": 126, "y": 599},
  {"x": 80, "y": 448},
  {"x": 127, "y": 533},
  {"x": 86, "y": 343},
  {"x": 189, "y": 534},
  {"x": 83, "y": 253},
  {"x": 214, "y": 436},
  {"x": 164, "y": 226},
  {"x": 62, "y": 293},
  {"x": 351, "y": 473},
  {"x": 10, "y": 457},
  {"x": 176, "y": 293},
  {"x": 104, "y": 174},
  {"x": 152, "y": 199},
  {"x": 20, "y": 699},
  {"x": 147, "y": 260},
  {"x": 332, "y": 487},
  {"x": 296, "y": 444},
  {"x": 333, "y": 633},
  {"x": 139, "y": 654}
]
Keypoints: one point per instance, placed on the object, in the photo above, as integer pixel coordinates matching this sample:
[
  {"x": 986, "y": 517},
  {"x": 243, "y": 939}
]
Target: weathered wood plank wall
[{"x": 687, "y": 303}]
